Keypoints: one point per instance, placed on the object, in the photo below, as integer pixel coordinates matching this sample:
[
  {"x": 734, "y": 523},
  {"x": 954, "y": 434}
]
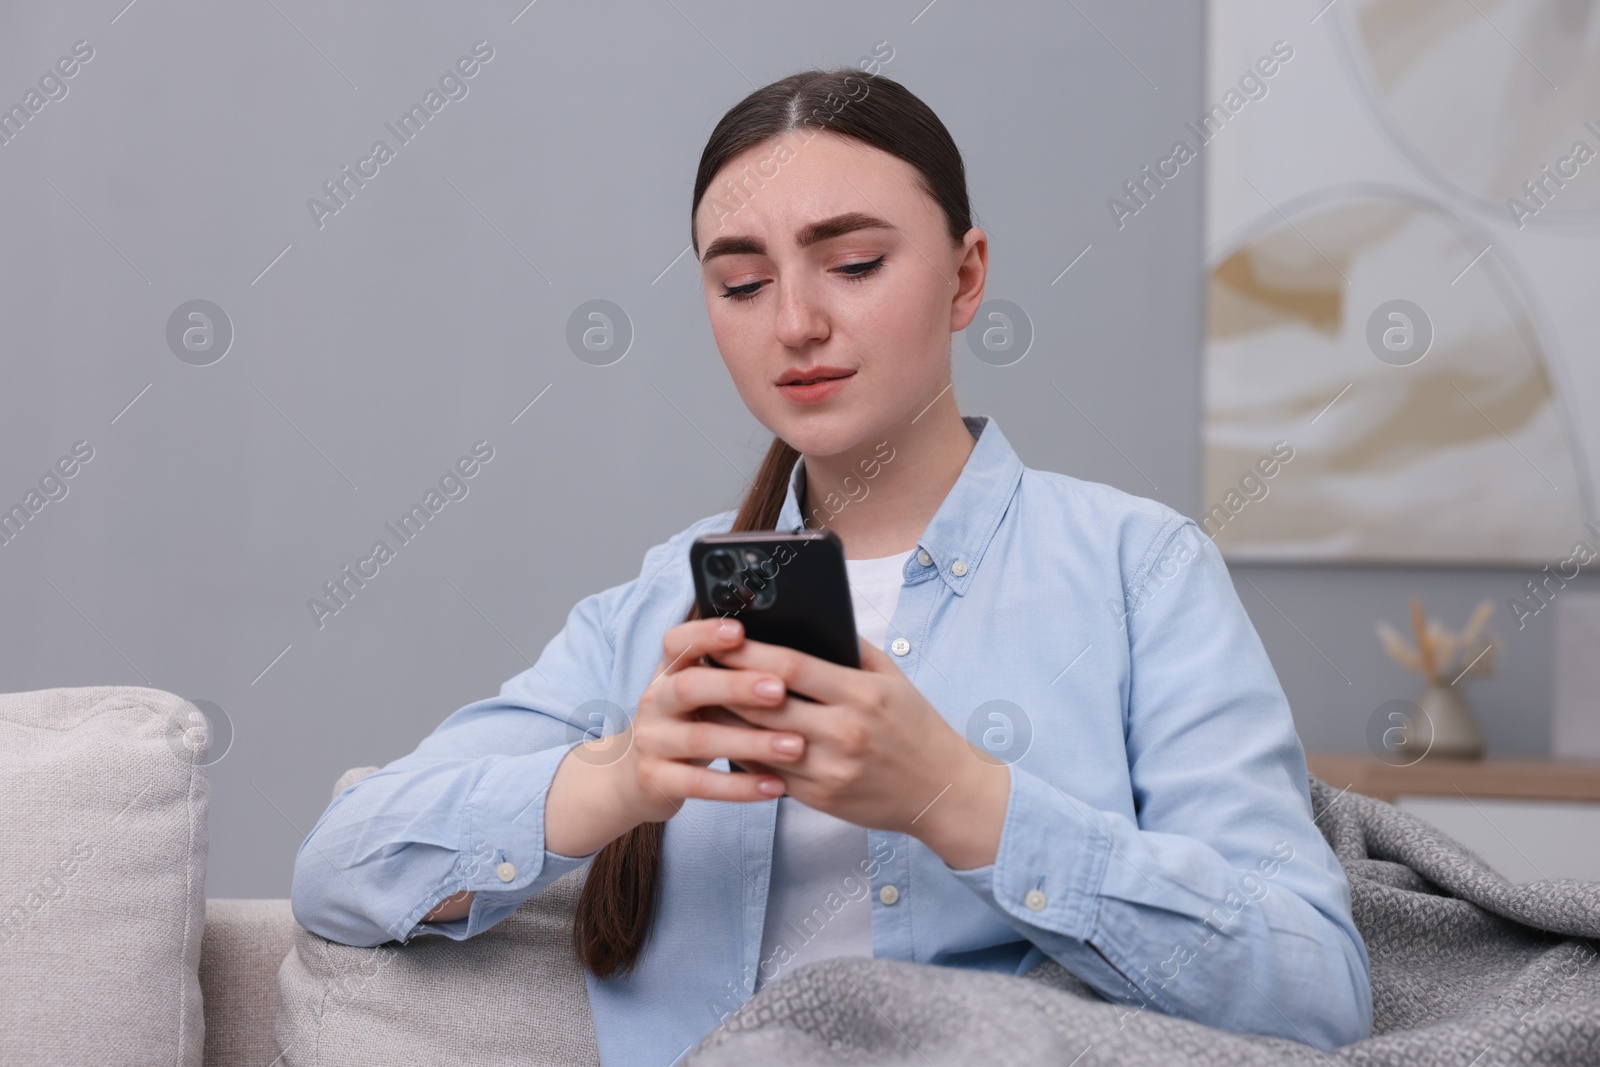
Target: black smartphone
[{"x": 787, "y": 589}]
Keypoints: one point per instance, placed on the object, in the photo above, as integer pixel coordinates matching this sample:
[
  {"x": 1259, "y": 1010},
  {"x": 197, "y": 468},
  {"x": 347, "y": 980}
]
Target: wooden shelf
[{"x": 1508, "y": 779}]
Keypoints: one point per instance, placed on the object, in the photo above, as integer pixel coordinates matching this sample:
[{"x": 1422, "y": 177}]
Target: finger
[
  {"x": 802, "y": 771},
  {"x": 685, "y": 643},
  {"x": 728, "y": 717},
  {"x": 806, "y": 674},
  {"x": 819, "y": 724},
  {"x": 760, "y": 722},
  {"x": 684, "y": 691},
  {"x": 710, "y": 740},
  {"x": 875, "y": 659},
  {"x": 796, "y": 714},
  {"x": 677, "y": 781},
  {"x": 757, "y": 767}
]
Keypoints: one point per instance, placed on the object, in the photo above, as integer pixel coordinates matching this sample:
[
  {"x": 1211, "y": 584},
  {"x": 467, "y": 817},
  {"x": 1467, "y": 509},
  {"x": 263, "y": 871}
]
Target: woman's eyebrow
[{"x": 808, "y": 235}]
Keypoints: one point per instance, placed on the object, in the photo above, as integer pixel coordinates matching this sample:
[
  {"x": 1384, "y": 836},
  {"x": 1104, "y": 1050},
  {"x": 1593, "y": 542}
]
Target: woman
[{"x": 1065, "y": 740}]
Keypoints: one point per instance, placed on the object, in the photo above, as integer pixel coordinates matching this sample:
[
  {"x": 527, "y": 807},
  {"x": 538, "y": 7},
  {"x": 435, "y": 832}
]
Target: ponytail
[{"x": 617, "y": 904}]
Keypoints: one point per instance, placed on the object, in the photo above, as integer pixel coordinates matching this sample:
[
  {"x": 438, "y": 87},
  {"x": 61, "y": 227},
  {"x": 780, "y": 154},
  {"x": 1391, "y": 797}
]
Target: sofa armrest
[{"x": 244, "y": 945}]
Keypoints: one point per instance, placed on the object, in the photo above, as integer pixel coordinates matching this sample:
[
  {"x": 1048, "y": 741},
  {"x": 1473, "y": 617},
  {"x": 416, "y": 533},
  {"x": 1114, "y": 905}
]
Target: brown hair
[{"x": 617, "y": 904}]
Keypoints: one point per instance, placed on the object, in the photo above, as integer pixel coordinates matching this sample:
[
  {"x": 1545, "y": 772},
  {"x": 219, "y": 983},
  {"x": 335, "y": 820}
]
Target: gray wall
[{"x": 371, "y": 352}]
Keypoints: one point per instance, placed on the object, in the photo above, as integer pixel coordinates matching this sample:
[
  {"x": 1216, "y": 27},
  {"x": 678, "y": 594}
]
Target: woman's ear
[{"x": 971, "y": 274}]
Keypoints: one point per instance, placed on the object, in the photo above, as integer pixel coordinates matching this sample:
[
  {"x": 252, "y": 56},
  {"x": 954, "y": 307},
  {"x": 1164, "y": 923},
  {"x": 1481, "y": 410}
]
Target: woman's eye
[
  {"x": 850, "y": 271},
  {"x": 741, "y": 293},
  {"x": 857, "y": 271}
]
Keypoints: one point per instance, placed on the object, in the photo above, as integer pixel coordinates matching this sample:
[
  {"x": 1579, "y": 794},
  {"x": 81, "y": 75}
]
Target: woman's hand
[
  {"x": 877, "y": 754},
  {"x": 605, "y": 787},
  {"x": 644, "y": 773}
]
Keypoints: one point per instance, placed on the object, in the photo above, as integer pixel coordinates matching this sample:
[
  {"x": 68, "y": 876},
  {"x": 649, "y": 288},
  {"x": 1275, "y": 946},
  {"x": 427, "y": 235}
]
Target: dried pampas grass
[{"x": 1440, "y": 656}]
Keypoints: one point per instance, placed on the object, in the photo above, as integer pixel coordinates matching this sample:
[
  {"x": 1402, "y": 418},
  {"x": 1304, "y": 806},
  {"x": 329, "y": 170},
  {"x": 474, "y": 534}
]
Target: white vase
[{"x": 1443, "y": 727}]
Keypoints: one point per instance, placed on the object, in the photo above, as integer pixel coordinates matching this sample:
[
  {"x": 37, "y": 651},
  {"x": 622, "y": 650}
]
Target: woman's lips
[{"x": 815, "y": 392}]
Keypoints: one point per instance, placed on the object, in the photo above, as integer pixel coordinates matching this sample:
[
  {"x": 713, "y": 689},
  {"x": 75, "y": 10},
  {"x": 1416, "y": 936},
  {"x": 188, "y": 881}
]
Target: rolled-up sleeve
[
  {"x": 1222, "y": 902},
  {"x": 465, "y": 810}
]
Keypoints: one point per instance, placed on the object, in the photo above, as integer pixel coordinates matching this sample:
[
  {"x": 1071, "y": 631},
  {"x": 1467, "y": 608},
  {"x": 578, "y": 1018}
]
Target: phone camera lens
[{"x": 728, "y": 597}]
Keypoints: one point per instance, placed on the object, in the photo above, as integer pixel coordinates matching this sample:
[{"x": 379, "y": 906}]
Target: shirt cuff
[
  {"x": 1050, "y": 862},
  {"x": 501, "y": 857},
  {"x": 490, "y": 907}
]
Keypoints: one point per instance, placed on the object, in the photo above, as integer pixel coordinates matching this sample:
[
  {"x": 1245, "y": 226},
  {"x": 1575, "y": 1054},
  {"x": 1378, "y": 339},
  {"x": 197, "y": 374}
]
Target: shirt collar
[{"x": 960, "y": 531}]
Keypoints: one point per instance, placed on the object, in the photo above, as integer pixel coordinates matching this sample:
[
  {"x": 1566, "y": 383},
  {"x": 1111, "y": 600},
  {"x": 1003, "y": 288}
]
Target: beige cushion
[
  {"x": 102, "y": 877},
  {"x": 514, "y": 994},
  {"x": 244, "y": 946}
]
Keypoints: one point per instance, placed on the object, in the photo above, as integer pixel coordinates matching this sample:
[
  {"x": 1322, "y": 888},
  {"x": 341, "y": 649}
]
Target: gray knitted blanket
[{"x": 1468, "y": 970}]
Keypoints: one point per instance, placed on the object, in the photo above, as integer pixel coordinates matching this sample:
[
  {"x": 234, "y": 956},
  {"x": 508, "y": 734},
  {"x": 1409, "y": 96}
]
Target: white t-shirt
[{"x": 816, "y": 858}]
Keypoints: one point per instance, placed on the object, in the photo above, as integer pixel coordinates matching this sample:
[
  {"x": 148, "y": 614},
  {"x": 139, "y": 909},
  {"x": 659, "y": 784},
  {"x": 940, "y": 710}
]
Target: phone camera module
[{"x": 740, "y": 579}]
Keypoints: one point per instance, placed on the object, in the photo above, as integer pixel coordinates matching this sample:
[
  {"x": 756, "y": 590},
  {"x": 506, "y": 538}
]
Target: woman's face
[{"x": 873, "y": 292}]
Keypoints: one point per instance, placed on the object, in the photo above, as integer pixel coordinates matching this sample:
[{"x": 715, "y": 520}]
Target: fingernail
[
  {"x": 770, "y": 688},
  {"x": 788, "y": 744},
  {"x": 727, "y": 630},
  {"x": 771, "y": 786}
]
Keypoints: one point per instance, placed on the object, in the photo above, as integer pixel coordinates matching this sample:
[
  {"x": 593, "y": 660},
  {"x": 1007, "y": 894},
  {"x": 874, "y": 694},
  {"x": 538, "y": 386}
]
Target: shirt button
[
  {"x": 958, "y": 568},
  {"x": 888, "y": 894},
  {"x": 900, "y": 646},
  {"x": 923, "y": 557},
  {"x": 506, "y": 871},
  {"x": 1035, "y": 900}
]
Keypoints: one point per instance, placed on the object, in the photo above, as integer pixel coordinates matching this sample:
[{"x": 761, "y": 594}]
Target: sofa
[
  {"x": 110, "y": 951},
  {"x": 244, "y": 944}
]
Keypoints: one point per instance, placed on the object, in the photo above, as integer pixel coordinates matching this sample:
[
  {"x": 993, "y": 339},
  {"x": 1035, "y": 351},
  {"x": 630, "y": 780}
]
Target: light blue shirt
[{"x": 1158, "y": 841}]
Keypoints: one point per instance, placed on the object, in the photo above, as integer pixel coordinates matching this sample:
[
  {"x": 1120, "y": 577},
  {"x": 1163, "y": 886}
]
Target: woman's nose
[{"x": 801, "y": 316}]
